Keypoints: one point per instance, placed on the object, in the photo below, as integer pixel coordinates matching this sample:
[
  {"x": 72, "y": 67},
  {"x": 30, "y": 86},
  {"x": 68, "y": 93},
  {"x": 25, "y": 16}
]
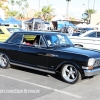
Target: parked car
[
  {"x": 50, "y": 52},
  {"x": 91, "y": 33},
  {"x": 90, "y": 39},
  {"x": 6, "y": 31}
]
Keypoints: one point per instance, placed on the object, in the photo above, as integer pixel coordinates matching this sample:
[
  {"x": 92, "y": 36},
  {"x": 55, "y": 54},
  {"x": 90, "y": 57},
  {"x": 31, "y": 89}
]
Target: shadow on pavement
[{"x": 56, "y": 76}]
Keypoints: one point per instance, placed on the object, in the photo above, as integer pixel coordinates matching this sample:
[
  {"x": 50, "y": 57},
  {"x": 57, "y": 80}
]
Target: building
[
  {"x": 95, "y": 19},
  {"x": 30, "y": 13}
]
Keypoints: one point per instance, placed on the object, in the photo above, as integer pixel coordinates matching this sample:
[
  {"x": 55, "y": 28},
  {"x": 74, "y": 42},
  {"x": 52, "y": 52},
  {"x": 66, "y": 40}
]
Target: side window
[
  {"x": 98, "y": 34},
  {"x": 17, "y": 39},
  {"x": 34, "y": 40},
  {"x": 93, "y": 34},
  {"x": 1, "y": 32}
]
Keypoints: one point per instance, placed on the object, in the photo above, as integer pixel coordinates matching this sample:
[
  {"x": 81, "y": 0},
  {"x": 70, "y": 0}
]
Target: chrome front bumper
[{"x": 92, "y": 72}]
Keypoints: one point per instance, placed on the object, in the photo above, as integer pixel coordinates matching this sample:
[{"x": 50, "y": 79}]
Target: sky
[{"x": 76, "y": 7}]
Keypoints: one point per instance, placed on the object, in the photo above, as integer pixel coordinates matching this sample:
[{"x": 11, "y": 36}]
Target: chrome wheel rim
[
  {"x": 3, "y": 61},
  {"x": 69, "y": 73}
]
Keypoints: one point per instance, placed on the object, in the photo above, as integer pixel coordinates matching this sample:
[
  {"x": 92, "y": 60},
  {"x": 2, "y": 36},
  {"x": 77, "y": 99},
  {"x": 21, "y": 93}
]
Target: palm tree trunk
[
  {"x": 88, "y": 4},
  {"x": 47, "y": 2},
  {"x": 39, "y": 6},
  {"x": 93, "y": 4},
  {"x": 67, "y": 10}
]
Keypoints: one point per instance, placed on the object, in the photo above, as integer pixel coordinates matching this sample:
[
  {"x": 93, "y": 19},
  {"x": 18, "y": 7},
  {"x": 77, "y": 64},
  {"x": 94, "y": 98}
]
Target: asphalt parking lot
[{"x": 18, "y": 83}]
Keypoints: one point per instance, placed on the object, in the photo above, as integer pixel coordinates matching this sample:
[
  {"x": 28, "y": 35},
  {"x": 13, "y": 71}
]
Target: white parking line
[{"x": 45, "y": 87}]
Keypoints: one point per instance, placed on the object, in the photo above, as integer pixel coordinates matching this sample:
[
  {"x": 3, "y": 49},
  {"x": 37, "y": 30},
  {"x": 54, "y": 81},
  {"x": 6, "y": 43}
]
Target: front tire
[
  {"x": 70, "y": 74},
  {"x": 4, "y": 61}
]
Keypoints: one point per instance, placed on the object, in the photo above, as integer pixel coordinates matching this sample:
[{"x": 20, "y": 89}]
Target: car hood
[{"x": 82, "y": 51}]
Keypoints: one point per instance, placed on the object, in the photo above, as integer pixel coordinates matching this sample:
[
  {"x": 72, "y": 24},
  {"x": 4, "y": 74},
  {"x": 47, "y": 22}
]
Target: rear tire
[
  {"x": 4, "y": 61},
  {"x": 70, "y": 74}
]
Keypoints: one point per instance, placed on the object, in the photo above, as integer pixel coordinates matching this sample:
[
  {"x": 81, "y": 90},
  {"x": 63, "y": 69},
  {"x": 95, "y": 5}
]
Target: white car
[
  {"x": 91, "y": 33},
  {"x": 90, "y": 39}
]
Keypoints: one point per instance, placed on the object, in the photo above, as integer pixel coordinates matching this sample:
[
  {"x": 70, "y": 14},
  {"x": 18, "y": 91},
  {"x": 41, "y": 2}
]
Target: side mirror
[{"x": 78, "y": 45}]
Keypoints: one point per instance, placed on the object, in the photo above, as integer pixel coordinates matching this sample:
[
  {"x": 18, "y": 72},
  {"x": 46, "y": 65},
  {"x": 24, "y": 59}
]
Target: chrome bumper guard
[{"x": 92, "y": 72}]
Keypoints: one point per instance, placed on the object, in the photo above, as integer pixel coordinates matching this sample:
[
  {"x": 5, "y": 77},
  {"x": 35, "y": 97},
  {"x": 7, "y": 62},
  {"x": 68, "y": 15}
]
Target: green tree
[
  {"x": 90, "y": 11},
  {"x": 47, "y": 12},
  {"x": 20, "y": 16},
  {"x": 5, "y": 8},
  {"x": 1, "y": 4},
  {"x": 38, "y": 15},
  {"x": 67, "y": 7},
  {"x": 12, "y": 13}
]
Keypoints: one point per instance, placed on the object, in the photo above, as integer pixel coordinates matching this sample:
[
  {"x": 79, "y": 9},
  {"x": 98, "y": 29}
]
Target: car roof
[
  {"x": 7, "y": 27},
  {"x": 86, "y": 33},
  {"x": 37, "y": 32}
]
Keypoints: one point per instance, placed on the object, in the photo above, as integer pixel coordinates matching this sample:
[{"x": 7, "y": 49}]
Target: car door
[
  {"x": 12, "y": 47},
  {"x": 34, "y": 56}
]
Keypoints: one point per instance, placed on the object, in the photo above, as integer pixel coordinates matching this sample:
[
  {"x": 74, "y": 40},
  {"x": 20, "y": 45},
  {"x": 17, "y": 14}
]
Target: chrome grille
[{"x": 97, "y": 63}]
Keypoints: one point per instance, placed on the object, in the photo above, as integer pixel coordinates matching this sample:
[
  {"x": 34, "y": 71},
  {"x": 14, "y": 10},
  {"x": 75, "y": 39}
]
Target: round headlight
[{"x": 91, "y": 62}]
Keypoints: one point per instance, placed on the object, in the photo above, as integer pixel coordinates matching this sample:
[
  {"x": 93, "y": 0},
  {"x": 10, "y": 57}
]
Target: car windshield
[
  {"x": 57, "y": 40},
  {"x": 12, "y": 30}
]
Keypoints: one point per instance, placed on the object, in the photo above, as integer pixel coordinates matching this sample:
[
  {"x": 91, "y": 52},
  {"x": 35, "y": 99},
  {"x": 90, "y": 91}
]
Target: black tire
[
  {"x": 4, "y": 61},
  {"x": 70, "y": 74}
]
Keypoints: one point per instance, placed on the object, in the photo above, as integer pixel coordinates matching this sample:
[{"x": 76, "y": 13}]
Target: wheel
[
  {"x": 70, "y": 74},
  {"x": 4, "y": 61}
]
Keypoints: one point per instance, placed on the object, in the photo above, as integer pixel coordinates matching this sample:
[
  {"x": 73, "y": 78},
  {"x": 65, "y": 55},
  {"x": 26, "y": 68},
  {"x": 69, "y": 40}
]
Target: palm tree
[
  {"x": 67, "y": 8},
  {"x": 89, "y": 12},
  {"x": 1, "y": 4},
  {"x": 38, "y": 15},
  {"x": 12, "y": 13},
  {"x": 19, "y": 3},
  {"x": 6, "y": 9},
  {"x": 47, "y": 12},
  {"x": 12, "y": 3},
  {"x": 26, "y": 5},
  {"x": 39, "y": 5},
  {"x": 20, "y": 16}
]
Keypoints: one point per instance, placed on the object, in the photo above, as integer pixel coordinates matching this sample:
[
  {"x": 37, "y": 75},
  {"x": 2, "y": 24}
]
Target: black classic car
[{"x": 49, "y": 52}]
